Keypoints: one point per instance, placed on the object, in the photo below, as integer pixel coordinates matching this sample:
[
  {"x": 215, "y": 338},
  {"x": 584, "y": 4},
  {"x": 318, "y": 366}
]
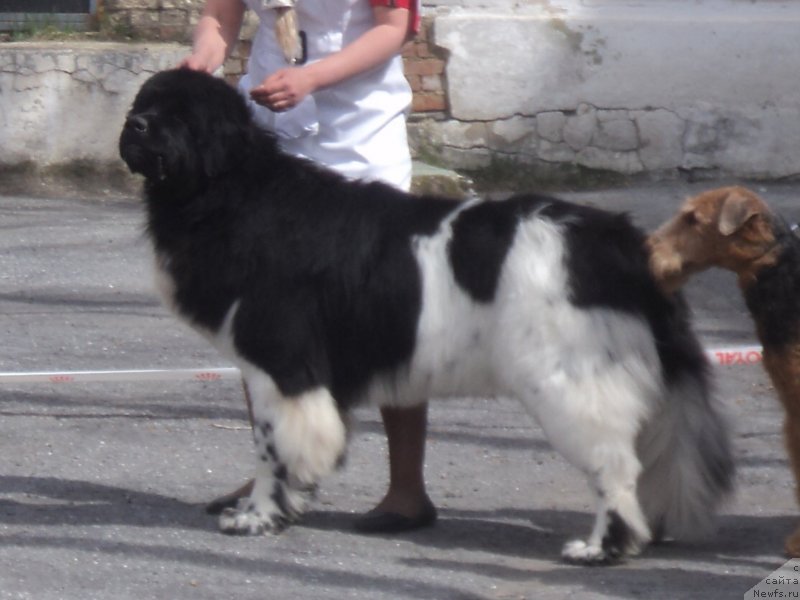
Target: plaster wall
[
  {"x": 61, "y": 103},
  {"x": 629, "y": 87},
  {"x": 620, "y": 85}
]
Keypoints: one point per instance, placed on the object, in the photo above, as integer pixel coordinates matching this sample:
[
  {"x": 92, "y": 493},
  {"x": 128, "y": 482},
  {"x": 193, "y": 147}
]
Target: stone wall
[
  {"x": 629, "y": 86},
  {"x": 707, "y": 87},
  {"x": 62, "y": 103},
  {"x": 158, "y": 20}
]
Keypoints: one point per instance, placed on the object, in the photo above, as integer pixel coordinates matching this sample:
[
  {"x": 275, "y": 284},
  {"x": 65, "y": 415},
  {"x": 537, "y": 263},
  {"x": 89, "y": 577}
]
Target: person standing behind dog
[{"x": 343, "y": 107}]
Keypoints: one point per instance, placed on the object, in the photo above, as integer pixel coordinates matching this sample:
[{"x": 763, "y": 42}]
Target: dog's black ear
[{"x": 224, "y": 126}]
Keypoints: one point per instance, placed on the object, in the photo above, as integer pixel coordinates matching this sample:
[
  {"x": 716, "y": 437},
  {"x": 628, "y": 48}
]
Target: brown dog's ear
[{"x": 737, "y": 209}]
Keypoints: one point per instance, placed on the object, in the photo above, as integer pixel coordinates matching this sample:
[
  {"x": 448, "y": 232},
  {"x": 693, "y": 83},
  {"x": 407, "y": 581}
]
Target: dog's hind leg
[
  {"x": 784, "y": 370},
  {"x": 620, "y": 526},
  {"x": 598, "y": 435},
  {"x": 791, "y": 429},
  {"x": 298, "y": 440}
]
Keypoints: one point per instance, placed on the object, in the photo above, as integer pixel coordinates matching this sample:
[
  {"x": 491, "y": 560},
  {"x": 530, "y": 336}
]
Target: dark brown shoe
[{"x": 378, "y": 521}]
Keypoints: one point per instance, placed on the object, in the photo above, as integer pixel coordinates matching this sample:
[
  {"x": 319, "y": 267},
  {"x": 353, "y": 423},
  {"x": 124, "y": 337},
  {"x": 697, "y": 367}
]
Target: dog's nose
[{"x": 136, "y": 122}]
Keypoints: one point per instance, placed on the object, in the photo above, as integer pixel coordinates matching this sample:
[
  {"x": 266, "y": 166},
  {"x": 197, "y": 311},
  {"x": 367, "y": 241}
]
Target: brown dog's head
[{"x": 727, "y": 227}]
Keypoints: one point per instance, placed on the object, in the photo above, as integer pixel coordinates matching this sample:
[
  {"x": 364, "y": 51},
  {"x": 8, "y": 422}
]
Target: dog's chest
[{"x": 217, "y": 331}]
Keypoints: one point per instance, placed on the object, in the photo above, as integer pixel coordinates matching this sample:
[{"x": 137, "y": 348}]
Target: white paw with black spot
[
  {"x": 246, "y": 519},
  {"x": 579, "y": 552}
]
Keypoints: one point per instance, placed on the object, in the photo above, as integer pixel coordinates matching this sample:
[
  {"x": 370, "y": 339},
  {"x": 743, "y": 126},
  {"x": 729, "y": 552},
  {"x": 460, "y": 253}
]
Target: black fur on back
[{"x": 482, "y": 237}]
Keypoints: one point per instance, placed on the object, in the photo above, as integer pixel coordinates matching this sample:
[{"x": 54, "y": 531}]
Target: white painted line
[
  {"x": 212, "y": 374},
  {"x": 728, "y": 356}
]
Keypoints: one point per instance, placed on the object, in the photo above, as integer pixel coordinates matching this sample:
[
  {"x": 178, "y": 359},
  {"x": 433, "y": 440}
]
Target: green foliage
[
  {"x": 508, "y": 174},
  {"x": 46, "y": 27}
]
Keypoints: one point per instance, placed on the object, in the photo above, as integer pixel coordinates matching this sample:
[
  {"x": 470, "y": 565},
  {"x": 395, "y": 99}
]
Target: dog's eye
[
  {"x": 689, "y": 218},
  {"x": 137, "y": 122}
]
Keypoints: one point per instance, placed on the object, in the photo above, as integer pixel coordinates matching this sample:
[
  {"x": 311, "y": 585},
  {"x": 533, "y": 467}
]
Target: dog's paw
[
  {"x": 246, "y": 519},
  {"x": 792, "y": 545},
  {"x": 580, "y": 553}
]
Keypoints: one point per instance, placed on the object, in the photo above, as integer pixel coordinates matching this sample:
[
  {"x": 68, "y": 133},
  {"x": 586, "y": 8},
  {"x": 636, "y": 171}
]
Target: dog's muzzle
[
  {"x": 666, "y": 265},
  {"x": 133, "y": 149}
]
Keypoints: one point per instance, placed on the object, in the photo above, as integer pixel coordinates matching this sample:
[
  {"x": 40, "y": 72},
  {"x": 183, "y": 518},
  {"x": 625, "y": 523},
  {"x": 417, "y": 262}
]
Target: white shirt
[{"x": 356, "y": 126}]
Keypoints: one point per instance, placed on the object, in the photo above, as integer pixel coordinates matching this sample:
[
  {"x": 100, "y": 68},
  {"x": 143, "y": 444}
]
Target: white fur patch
[{"x": 309, "y": 433}]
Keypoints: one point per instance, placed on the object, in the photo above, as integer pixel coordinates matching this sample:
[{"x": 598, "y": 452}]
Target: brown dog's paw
[{"x": 792, "y": 544}]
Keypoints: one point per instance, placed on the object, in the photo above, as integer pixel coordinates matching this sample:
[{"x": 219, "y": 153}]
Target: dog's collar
[
  {"x": 785, "y": 234},
  {"x": 792, "y": 229}
]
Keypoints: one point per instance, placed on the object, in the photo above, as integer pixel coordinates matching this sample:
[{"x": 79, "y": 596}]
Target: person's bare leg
[{"x": 406, "y": 505}]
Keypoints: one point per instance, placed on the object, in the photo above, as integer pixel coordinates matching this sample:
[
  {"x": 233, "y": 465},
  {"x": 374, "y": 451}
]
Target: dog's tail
[{"x": 685, "y": 448}]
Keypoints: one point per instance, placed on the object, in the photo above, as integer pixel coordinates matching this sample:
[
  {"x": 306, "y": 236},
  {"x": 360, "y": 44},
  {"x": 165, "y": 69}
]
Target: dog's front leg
[
  {"x": 792, "y": 434},
  {"x": 298, "y": 440},
  {"x": 791, "y": 429},
  {"x": 783, "y": 368}
]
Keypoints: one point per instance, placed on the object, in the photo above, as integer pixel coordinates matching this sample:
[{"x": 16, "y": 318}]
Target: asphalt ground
[{"x": 102, "y": 485}]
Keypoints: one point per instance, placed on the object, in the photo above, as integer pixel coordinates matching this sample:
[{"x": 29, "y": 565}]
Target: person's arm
[
  {"x": 285, "y": 88},
  {"x": 216, "y": 35}
]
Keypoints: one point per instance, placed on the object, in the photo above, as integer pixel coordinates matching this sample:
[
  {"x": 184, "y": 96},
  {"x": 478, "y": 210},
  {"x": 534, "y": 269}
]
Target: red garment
[{"x": 411, "y": 5}]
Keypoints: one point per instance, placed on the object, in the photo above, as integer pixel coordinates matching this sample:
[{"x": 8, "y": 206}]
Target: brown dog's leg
[
  {"x": 783, "y": 369},
  {"x": 229, "y": 500},
  {"x": 792, "y": 432}
]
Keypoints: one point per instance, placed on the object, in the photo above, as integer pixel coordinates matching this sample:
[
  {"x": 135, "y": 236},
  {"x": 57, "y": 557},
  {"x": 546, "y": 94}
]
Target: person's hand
[
  {"x": 284, "y": 89},
  {"x": 193, "y": 62},
  {"x": 215, "y": 35},
  {"x": 198, "y": 62}
]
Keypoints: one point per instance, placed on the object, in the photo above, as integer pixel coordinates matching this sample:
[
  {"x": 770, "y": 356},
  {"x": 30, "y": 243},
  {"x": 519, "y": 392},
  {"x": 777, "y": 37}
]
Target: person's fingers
[
  {"x": 276, "y": 101},
  {"x": 194, "y": 63},
  {"x": 278, "y": 92},
  {"x": 275, "y": 82}
]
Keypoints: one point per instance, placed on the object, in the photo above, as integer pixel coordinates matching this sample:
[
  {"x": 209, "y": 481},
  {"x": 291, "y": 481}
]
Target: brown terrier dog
[{"x": 734, "y": 229}]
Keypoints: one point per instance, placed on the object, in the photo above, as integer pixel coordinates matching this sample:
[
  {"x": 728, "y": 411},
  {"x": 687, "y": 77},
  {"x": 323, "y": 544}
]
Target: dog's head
[
  {"x": 184, "y": 128},
  {"x": 727, "y": 227}
]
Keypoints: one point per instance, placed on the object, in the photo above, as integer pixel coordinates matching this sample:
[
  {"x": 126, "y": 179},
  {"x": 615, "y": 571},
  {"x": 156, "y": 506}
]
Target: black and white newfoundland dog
[{"x": 327, "y": 292}]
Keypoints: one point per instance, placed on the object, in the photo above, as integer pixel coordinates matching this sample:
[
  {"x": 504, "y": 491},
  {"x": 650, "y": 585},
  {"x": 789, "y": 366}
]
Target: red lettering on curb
[
  {"x": 208, "y": 376},
  {"x": 737, "y": 357},
  {"x": 753, "y": 357}
]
